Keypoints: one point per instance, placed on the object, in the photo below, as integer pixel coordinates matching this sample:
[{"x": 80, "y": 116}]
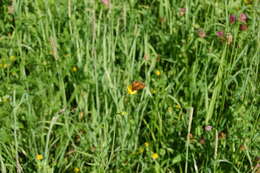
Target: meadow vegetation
[{"x": 129, "y": 86}]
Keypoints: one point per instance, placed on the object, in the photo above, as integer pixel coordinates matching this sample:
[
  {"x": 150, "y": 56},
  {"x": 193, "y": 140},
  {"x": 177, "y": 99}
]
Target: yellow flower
[
  {"x": 130, "y": 90},
  {"x": 39, "y": 157},
  {"x": 74, "y": 69},
  {"x": 146, "y": 144},
  {"x": 123, "y": 113},
  {"x": 76, "y": 170},
  {"x": 178, "y": 106},
  {"x": 155, "y": 156},
  {"x": 12, "y": 58},
  {"x": 157, "y": 72}
]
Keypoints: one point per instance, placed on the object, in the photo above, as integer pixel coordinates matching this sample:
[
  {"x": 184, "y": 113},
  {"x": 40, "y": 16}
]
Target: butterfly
[{"x": 137, "y": 85}]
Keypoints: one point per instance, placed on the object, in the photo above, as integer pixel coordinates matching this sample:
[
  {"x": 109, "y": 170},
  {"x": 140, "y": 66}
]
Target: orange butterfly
[{"x": 137, "y": 85}]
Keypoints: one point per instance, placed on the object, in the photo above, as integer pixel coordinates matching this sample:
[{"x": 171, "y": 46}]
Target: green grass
[{"x": 65, "y": 67}]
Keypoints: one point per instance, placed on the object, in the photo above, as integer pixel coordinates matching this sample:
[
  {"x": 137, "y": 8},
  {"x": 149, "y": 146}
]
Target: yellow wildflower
[
  {"x": 178, "y": 106},
  {"x": 76, "y": 170},
  {"x": 146, "y": 144},
  {"x": 12, "y": 58},
  {"x": 157, "y": 72},
  {"x": 123, "y": 113},
  {"x": 74, "y": 69},
  {"x": 155, "y": 156},
  {"x": 39, "y": 157},
  {"x": 130, "y": 90}
]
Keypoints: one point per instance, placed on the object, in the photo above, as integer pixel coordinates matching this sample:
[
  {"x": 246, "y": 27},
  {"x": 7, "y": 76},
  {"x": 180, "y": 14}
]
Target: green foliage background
[{"x": 65, "y": 67}]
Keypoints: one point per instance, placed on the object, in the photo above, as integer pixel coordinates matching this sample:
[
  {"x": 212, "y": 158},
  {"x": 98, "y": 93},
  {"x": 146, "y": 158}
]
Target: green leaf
[{"x": 176, "y": 159}]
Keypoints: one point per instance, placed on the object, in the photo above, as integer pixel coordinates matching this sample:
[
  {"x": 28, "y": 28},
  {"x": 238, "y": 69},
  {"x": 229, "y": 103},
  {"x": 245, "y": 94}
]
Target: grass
[{"x": 65, "y": 67}]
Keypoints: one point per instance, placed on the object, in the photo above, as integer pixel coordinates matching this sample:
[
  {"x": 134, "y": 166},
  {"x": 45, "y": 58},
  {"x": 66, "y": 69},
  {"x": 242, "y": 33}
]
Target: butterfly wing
[{"x": 137, "y": 85}]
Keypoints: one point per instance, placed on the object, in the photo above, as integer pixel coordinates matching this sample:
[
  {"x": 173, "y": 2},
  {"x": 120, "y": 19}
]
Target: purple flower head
[
  {"x": 242, "y": 17},
  {"x": 105, "y": 2},
  {"x": 220, "y": 34},
  {"x": 208, "y": 128},
  {"x": 232, "y": 19}
]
